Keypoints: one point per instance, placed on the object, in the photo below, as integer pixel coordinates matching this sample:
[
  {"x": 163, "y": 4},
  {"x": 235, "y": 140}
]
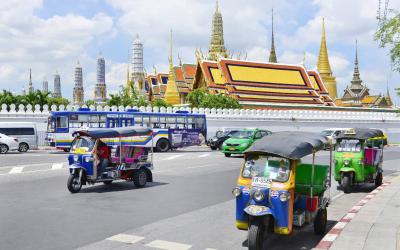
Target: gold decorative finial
[
  {"x": 272, "y": 54},
  {"x": 171, "y": 93}
]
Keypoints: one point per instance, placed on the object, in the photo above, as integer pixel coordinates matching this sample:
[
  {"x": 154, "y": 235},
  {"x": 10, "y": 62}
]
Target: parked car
[
  {"x": 242, "y": 140},
  {"x": 8, "y": 143},
  {"x": 220, "y": 136},
  {"x": 25, "y": 132}
]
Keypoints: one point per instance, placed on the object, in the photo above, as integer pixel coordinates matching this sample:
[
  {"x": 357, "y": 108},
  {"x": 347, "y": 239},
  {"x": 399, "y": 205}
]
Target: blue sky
[{"x": 50, "y": 35}]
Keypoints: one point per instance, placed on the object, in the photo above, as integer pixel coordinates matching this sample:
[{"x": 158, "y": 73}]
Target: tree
[
  {"x": 196, "y": 97},
  {"x": 388, "y": 35},
  {"x": 160, "y": 103},
  {"x": 201, "y": 99},
  {"x": 90, "y": 102}
]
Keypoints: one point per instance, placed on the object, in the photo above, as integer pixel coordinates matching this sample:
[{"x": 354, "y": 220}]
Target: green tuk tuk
[{"x": 357, "y": 161}]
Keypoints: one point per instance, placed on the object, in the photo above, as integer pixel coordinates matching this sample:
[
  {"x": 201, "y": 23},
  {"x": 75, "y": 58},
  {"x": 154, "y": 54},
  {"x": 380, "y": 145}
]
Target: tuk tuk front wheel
[
  {"x": 378, "y": 180},
  {"x": 140, "y": 178},
  {"x": 256, "y": 235},
  {"x": 74, "y": 184},
  {"x": 320, "y": 221},
  {"x": 346, "y": 184}
]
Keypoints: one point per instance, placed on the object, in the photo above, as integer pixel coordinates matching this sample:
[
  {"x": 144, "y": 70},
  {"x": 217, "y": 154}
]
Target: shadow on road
[
  {"x": 360, "y": 188},
  {"x": 301, "y": 238},
  {"x": 117, "y": 187}
]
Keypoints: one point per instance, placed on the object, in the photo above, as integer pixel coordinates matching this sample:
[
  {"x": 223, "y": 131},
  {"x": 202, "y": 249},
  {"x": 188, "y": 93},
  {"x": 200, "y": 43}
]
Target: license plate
[
  {"x": 261, "y": 182},
  {"x": 232, "y": 149}
]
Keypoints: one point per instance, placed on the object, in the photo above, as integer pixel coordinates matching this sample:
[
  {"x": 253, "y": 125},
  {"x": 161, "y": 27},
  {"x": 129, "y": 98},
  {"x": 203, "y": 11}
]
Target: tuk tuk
[
  {"x": 127, "y": 159},
  {"x": 275, "y": 191},
  {"x": 357, "y": 161}
]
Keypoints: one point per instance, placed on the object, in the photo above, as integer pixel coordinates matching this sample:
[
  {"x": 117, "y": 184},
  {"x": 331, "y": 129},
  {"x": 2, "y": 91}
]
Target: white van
[
  {"x": 332, "y": 133},
  {"x": 25, "y": 132}
]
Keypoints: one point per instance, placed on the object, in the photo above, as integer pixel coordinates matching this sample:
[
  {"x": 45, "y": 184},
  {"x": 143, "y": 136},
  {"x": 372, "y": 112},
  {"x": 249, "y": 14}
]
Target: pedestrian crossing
[{"x": 139, "y": 242}]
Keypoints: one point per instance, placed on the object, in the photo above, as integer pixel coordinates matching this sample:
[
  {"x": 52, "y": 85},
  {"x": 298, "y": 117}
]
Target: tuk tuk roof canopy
[
  {"x": 360, "y": 133},
  {"x": 290, "y": 145},
  {"x": 114, "y": 132}
]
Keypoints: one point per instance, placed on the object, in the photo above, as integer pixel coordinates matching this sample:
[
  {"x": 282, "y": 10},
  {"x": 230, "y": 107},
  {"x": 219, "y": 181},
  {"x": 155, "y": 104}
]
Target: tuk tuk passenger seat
[
  {"x": 370, "y": 156},
  {"x": 303, "y": 178}
]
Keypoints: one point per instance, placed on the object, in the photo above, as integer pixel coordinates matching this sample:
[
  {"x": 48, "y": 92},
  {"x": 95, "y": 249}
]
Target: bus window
[
  {"x": 200, "y": 122},
  {"x": 146, "y": 121},
  {"x": 62, "y": 122},
  {"x": 154, "y": 120},
  {"x": 94, "y": 121},
  {"x": 77, "y": 121},
  {"x": 191, "y": 122},
  {"x": 163, "y": 122},
  {"x": 138, "y": 120},
  {"x": 181, "y": 122},
  {"x": 51, "y": 124},
  {"x": 170, "y": 121}
]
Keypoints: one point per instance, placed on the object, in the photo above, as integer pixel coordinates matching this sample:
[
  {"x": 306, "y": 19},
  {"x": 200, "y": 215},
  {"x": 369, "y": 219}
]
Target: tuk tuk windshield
[
  {"x": 84, "y": 142},
  {"x": 349, "y": 145},
  {"x": 242, "y": 134},
  {"x": 273, "y": 168}
]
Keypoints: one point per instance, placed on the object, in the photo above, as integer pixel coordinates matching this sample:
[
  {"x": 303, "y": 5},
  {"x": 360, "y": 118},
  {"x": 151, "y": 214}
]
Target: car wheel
[
  {"x": 3, "y": 148},
  {"x": 66, "y": 150},
  {"x": 163, "y": 145},
  {"x": 107, "y": 182},
  {"x": 227, "y": 155},
  {"x": 23, "y": 147},
  {"x": 140, "y": 178},
  {"x": 213, "y": 147}
]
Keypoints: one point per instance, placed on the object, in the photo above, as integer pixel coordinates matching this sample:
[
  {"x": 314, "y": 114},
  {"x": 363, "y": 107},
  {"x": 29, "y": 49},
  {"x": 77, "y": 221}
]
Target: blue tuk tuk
[{"x": 126, "y": 158}]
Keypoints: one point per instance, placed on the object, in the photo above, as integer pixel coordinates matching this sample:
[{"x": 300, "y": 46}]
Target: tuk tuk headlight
[
  {"x": 258, "y": 195},
  {"x": 76, "y": 158},
  {"x": 346, "y": 162},
  {"x": 284, "y": 196},
  {"x": 236, "y": 192}
]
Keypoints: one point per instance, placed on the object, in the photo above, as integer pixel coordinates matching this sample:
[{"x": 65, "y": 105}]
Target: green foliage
[
  {"x": 160, "y": 103},
  {"x": 201, "y": 99},
  {"x": 388, "y": 35},
  {"x": 90, "y": 102},
  {"x": 127, "y": 96},
  {"x": 33, "y": 98}
]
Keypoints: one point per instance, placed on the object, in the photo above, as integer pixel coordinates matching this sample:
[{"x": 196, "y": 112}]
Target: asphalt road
[{"x": 189, "y": 206}]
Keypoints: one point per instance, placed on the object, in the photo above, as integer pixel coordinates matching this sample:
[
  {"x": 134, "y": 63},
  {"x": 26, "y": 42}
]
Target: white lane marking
[
  {"x": 349, "y": 216},
  {"x": 173, "y": 157},
  {"x": 210, "y": 249},
  {"x": 203, "y": 166},
  {"x": 56, "y": 166},
  {"x": 168, "y": 245},
  {"x": 340, "y": 225},
  {"x": 204, "y": 155},
  {"x": 126, "y": 238},
  {"x": 329, "y": 237},
  {"x": 16, "y": 170}
]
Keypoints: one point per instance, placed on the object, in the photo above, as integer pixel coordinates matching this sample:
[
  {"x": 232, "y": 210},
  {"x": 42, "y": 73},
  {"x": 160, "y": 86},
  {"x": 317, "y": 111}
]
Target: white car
[{"x": 8, "y": 143}]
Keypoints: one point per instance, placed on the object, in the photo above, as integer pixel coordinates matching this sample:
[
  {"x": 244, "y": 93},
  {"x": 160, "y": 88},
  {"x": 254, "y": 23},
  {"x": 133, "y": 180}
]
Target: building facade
[
  {"x": 100, "y": 89},
  {"x": 78, "y": 92}
]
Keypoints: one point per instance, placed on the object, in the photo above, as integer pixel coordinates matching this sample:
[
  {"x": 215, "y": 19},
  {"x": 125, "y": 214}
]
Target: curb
[{"x": 335, "y": 231}]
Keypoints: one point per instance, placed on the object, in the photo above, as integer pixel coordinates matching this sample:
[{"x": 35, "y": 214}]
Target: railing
[{"x": 215, "y": 114}]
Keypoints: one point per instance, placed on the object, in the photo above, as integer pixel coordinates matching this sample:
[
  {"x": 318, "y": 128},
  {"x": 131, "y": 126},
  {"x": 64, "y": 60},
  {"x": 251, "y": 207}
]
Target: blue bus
[{"x": 170, "y": 130}]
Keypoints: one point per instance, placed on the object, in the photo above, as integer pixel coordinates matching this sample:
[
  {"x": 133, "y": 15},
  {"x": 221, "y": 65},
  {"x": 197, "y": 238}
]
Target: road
[{"x": 189, "y": 206}]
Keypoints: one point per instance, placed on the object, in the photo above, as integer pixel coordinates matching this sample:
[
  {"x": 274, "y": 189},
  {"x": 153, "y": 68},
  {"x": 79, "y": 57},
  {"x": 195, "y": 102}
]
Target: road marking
[
  {"x": 203, "y": 166},
  {"x": 56, "y": 166},
  {"x": 16, "y": 170},
  {"x": 204, "y": 155},
  {"x": 126, "y": 238},
  {"x": 330, "y": 237},
  {"x": 173, "y": 157},
  {"x": 168, "y": 245}
]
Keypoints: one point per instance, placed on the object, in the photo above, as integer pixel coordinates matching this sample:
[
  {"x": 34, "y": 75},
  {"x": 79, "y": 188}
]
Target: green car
[{"x": 242, "y": 140}]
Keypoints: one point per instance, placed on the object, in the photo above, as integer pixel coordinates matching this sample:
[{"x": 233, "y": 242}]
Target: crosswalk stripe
[
  {"x": 204, "y": 155},
  {"x": 56, "y": 166},
  {"x": 168, "y": 245},
  {"x": 173, "y": 157},
  {"x": 16, "y": 170},
  {"x": 126, "y": 238}
]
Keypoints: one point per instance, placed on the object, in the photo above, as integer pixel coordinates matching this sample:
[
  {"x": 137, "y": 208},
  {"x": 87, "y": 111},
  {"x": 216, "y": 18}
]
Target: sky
[{"x": 53, "y": 35}]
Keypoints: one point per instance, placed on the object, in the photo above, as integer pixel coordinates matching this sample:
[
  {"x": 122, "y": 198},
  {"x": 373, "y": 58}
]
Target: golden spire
[
  {"x": 217, "y": 45},
  {"x": 323, "y": 60},
  {"x": 272, "y": 53},
  {"x": 324, "y": 67},
  {"x": 171, "y": 93}
]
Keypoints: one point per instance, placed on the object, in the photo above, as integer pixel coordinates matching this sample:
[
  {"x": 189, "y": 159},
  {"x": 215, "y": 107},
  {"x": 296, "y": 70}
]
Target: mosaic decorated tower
[
  {"x": 138, "y": 75},
  {"x": 272, "y": 53},
  {"x": 57, "y": 85},
  {"x": 100, "y": 90},
  {"x": 324, "y": 67},
  {"x": 45, "y": 85},
  {"x": 30, "y": 89},
  {"x": 171, "y": 93},
  {"x": 217, "y": 46},
  {"x": 78, "y": 94}
]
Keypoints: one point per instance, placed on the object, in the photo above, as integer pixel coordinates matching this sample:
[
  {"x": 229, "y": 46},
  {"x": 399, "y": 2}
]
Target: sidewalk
[{"x": 374, "y": 224}]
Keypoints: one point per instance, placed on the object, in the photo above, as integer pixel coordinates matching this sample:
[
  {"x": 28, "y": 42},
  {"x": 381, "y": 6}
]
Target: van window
[
  {"x": 17, "y": 131},
  {"x": 62, "y": 122}
]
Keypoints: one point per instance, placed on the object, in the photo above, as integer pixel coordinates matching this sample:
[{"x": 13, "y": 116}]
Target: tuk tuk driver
[{"x": 103, "y": 154}]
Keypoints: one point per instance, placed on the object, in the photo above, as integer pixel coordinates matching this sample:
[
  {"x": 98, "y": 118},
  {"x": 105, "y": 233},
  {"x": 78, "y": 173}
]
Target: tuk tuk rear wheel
[
  {"x": 256, "y": 235},
  {"x": 140, "y": 178},
  {"x": 346, "y": 184},
  {"x": 378, "y": 180},
  {"x": 74, "y": 184},
  {"x": 320, "y": 221}
]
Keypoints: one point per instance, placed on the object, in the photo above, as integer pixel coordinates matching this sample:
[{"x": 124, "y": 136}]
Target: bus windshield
[
  {"x": 83, "y": 142},
  {"x": 273, "y": 168},
  {"x": 242, "y": 134},
  {"x": 349, "y": 146}
]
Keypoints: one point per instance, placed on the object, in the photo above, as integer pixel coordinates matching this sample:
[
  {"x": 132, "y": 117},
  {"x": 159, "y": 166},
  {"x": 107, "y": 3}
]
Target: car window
[{"x": 258, "y": 135}]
